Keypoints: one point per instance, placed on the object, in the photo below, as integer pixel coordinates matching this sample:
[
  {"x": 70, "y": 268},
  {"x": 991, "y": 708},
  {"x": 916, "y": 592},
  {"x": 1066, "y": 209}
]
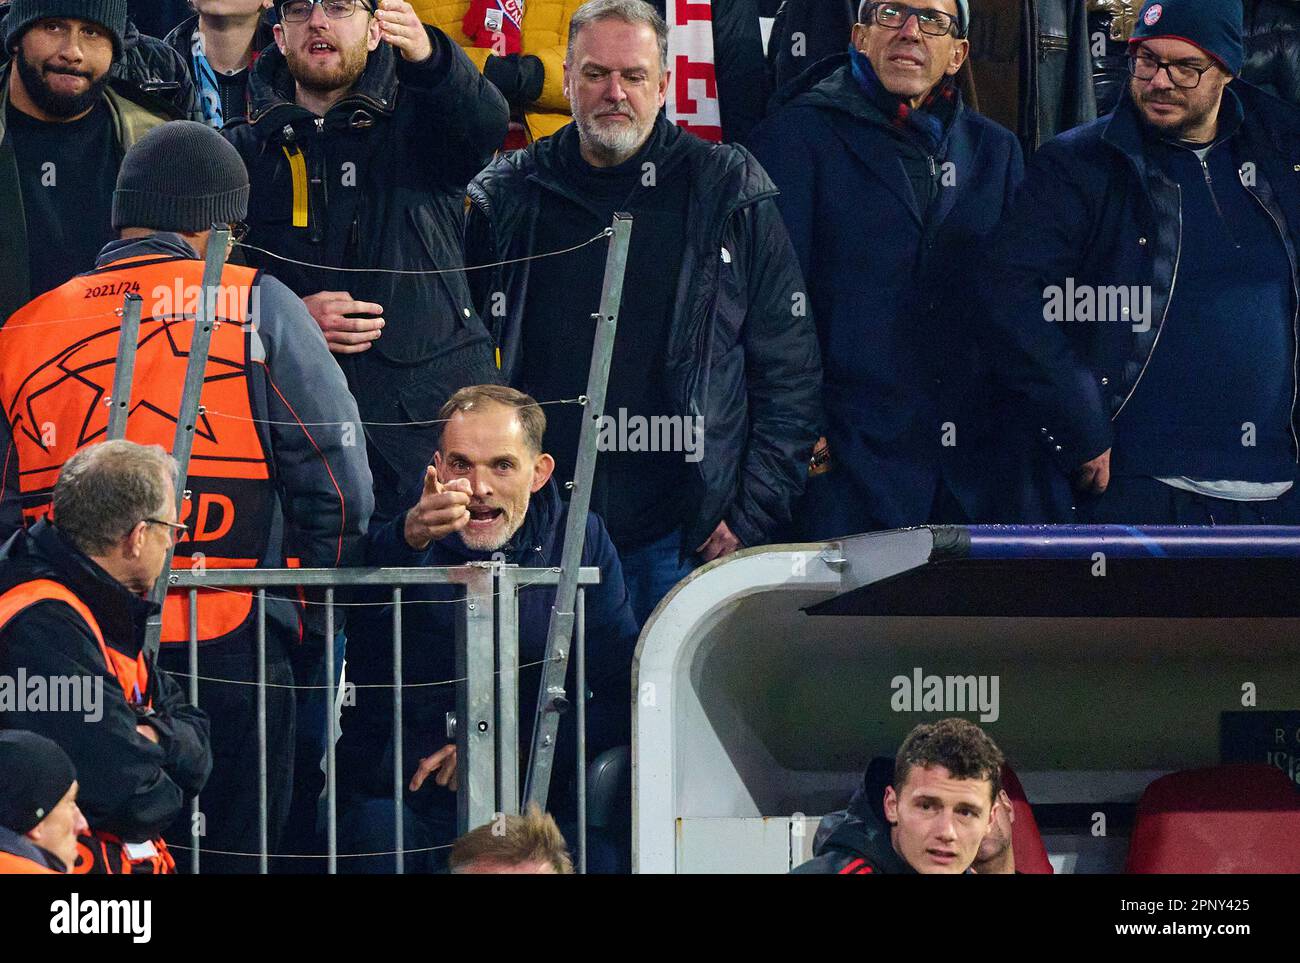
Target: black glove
[{"x": 519, "y": 78}]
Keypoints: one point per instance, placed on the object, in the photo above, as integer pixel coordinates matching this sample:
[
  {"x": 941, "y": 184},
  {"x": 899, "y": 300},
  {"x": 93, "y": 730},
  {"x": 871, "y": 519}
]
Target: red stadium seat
[
  {"x": 1031, "y": 854},
  {"x": 1227, "y": 819}
]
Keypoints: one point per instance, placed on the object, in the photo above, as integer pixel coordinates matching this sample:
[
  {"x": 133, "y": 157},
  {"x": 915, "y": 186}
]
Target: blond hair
[{"x": 514, "y": 841}]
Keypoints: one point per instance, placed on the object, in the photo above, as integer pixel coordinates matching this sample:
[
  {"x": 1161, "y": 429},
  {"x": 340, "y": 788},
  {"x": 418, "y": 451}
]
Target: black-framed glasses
[
  {"x": 893, "y": 16},
  {"x": 1143, "y": 66},
  {"x": 299, "y": 11},
  {"x": 177, "y": 528}
]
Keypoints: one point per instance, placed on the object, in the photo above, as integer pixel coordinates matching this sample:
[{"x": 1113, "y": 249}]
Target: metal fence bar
[
  {"x": 339, "y": 577},
  {"x": 475, "y": 701},
  {"x": 398, "y": 741},
  {"x": 507, "y": 690},
  {"x": 331, "y": 800},
  {"x": 262, "y": 814},
  {"x": 188, "y": 412},
  {"x": 551, "y": 699},
  {"x": 195, "y": 811},
  {"x": 580, "y": 683},
  {"x": 128, "y": 343}
]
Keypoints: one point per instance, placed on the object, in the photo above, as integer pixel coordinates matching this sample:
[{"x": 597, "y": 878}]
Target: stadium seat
[
  {"x": 1031, "y": 854},
  {"x": 1226, "y": 819}
]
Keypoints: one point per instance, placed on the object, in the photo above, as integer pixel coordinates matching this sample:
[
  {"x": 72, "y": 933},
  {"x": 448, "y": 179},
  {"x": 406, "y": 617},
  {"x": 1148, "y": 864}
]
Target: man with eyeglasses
[
  {"x": 73, "y": 606},
  {"x": 889, "y": 184},
  {"x": 365, "y": 125},
  {"x": 1142, "y": 296}
]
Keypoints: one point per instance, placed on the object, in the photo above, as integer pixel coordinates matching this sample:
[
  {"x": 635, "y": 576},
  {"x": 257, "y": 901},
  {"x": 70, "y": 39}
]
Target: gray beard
[{"x": 613, "y": 146}]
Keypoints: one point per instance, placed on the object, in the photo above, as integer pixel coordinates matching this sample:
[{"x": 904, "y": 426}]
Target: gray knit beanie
[
  {"x": 181, "y": 176},
  {"x": 110, "y": 13}
]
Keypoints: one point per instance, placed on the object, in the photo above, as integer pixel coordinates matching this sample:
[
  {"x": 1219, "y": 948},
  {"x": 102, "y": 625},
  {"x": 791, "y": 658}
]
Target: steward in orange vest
[
  {"x": 72, "y": 670},
  {"x": 39, "y": 817},
  {"x": 278, "y": 471}
]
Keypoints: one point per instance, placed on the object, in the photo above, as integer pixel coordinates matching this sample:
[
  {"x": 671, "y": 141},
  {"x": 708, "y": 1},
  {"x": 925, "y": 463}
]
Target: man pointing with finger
[
  {"x": 364, "y": 127},
  {"x": 489, "y": 495}
]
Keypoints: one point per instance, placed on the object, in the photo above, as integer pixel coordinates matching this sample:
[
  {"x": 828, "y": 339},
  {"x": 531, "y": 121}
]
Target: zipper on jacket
[
  {"x": 316, "y": 198},
  {"x": 1295, "y": 318},
  {"x": 1209, "y": 185},
  {"x": 1173, "y": 283}
]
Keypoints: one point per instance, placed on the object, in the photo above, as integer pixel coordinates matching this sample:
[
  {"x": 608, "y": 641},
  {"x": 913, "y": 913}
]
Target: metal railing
[{"x": 487, "y": 660}]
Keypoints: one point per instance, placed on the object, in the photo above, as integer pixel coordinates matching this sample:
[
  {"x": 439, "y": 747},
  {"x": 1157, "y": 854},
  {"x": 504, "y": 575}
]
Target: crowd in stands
[{"x": 883, "y": 296}]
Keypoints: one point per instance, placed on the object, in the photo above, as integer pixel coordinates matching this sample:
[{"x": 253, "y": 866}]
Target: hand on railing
[{"x": 443, "y": 762}]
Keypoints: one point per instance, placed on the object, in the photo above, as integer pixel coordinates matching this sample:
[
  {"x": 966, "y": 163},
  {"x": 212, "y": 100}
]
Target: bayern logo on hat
[{"x": 1152, "y": 16}]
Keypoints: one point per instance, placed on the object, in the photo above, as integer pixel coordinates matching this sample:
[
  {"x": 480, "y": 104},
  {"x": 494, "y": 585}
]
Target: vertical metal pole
[
  {"x": 507, "y": 690},
  {"x": 475, "y": 712},
  {"x": 263, "y": 817},
  {"x": 188, "y": 413},
  {"x": 195, "y": 810},
  {"x": 399, "y": 743},
  {"x": 128, "y": 343},
  {"x": 551, "y": 700},
  {"x": 331, "y": 811},
  {"x": 580, "y": 683}
]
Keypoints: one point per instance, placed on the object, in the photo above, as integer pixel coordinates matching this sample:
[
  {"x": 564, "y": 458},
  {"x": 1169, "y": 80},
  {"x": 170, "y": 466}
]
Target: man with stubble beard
[
  {"x": 63, "y": 132},
  {"x": 489, "y": 495},
  {"x": 363, "y": 129}
]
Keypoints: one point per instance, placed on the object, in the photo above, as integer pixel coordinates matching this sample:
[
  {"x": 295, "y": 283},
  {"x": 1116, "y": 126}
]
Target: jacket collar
[
  {"x": 163, "y": 243},
  {"x": 181, "y": 37},
  {"x": 865, "y": 836},
  {"x": 1127, "y": 132},
  {"x": 16, "y": 845},
  {"x": 273, "y": 108}
]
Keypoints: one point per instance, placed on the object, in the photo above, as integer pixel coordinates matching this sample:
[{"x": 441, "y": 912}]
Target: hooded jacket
[
  {"x": 742, "y": 351},
  {"x": 130, "y": 787},
  {"x": 859, "y": 846},
  {"x": 889, "y": 281},
  {"x": 379, "y": 182},
  {"x": 429, "y": 648},
  {"x": 1094, "y": 208}
]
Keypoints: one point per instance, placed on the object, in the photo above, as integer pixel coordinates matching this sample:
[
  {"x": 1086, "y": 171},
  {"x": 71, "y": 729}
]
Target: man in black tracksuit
[
  {"x": 714, "y": 338},
  {"x": 361, "y": 136}
]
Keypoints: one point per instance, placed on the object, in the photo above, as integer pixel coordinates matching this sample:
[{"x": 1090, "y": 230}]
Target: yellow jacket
[{"x": 544, "y": 35}]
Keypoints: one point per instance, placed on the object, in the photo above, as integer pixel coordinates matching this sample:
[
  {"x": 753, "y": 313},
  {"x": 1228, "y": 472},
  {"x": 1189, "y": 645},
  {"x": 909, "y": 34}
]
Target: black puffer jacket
[
  {"x": 737, "y": 355},
  {"x": 859, "y": 846},
  {"x": 181, "y": 41},
  {"x": 383, "y": 175},
  {"x": 148, "y": 64},
  {"x": 1273, "y": 47}
]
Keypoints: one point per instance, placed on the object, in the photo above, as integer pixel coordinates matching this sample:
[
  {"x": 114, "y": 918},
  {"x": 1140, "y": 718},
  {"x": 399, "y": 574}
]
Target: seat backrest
[
  {"x": 1226, "y": 819},
  {"x": 1031, "y": 854}
]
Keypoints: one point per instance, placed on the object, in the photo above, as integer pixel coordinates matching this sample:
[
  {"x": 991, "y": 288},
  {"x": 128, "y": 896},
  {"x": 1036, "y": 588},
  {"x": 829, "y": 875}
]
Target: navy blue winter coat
[
  {"x": 429, "y": 649},
  {"x": 889, "y": 288},
  {"x": 1093, "y": 209}
]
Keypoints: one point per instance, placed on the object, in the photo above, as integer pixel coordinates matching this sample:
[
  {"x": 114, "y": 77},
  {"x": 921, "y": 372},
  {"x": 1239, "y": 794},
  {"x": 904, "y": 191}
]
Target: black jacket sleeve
[
  {"x": 183, "y": 733},
  {"x": 1041, "y": 243},
  {"x": 125, "y": 785},
  {"x": 783, "y": 376},
  {"x": 466, "y": 116}
]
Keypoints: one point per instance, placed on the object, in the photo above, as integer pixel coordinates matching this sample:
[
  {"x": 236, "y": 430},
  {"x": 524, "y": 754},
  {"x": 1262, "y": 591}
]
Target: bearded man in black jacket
[{"x": 713, "y": 402}]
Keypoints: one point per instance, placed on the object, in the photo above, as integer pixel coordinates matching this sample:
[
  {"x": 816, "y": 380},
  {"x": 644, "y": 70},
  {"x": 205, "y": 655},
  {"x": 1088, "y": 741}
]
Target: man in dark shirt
[
  {"x": 713, "y": 389},
  {"x": 63, "y": 132}
]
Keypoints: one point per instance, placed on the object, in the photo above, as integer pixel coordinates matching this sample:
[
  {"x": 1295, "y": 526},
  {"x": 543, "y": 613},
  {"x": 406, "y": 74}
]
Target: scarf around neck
[{"x": 929, "y": 122}]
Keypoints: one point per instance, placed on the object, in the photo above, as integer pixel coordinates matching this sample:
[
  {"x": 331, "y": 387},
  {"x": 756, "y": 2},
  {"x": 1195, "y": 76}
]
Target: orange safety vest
[
  {"x": 57, "y": 360},
  {"x": 14, "y": 865},
  {"x": 100, "y": 851}
]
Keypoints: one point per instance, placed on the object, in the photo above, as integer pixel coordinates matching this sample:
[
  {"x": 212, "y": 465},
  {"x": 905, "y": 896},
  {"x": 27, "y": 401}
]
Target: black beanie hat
[
  {"x": 34, "y": 775},
  {"x": 1213, "y": 25},
  {"x": 110, "y": 13},
  {"x": 181, "y": 176}
]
